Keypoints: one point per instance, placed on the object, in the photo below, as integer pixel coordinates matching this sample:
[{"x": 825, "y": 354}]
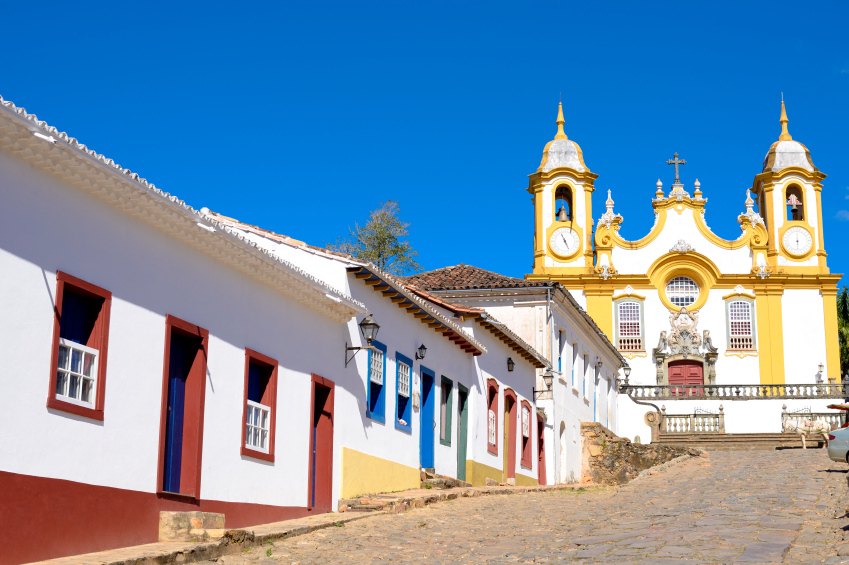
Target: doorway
[
  {"x": 183, "y": 387},
  {"x": 509, "y": 468},
  {"x": 541, "y": 477},
  {"x": 428, "y": 422},
  {"x": 462, "y": 439},
  {"x": 321, "y": 445}
]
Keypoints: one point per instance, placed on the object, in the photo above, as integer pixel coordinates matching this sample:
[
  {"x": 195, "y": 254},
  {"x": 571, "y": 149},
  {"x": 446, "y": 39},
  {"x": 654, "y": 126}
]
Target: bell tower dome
[
  {"x": 788, "y": 192},
  {"x": 562, "y": 190}
]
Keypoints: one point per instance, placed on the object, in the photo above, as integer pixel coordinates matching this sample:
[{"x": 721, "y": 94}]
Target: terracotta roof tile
[{"x": 460, "y": 277}]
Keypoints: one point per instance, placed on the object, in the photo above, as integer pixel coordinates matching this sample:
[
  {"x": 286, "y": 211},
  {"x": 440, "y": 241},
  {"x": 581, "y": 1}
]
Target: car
[{"x": 838, "y": 444}]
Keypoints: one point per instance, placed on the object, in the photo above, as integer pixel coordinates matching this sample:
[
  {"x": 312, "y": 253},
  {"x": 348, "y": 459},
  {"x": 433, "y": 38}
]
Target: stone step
[
  {"x": 741, "y": 442},
  {"x": 367, "y": 508},
  {"x": 444, "y": 482}
]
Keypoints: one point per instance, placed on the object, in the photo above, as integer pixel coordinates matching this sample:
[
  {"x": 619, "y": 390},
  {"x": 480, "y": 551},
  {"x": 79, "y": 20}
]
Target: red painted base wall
[{"x": 45, "y": 518}]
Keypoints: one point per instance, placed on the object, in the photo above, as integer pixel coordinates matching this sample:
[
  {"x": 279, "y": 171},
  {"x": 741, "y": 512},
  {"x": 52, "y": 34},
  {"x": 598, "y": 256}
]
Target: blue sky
[{"x": 302, "y": 117}]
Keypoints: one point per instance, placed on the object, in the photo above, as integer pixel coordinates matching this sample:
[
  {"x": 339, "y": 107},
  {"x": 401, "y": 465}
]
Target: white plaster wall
[
  {"x": 681, "y": 226},
  {"x": 803, "y": 322},
  {"x": 47, "y": 226}
]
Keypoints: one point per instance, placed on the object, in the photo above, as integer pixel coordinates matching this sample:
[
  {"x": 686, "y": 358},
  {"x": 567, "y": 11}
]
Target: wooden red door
[
  {"x": 321, "y": 446},
  {"x": 541, "y": 452},
  {"x": 685, "y": 372}
]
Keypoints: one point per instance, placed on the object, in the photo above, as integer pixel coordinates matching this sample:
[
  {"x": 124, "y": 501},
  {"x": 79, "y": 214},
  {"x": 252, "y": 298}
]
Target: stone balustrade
[
  {"x": 692, "y": 423},
  {"x": 833, "y": 419},
  {"x": 735, "y": 392}
]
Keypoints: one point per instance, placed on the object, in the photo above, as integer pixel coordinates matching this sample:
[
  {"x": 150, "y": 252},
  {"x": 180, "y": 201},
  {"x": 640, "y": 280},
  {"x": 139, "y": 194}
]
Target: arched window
[
  {"x": 682, "y": 291},
  {"x": 630, "y": 331},
  {"x": 795, "y": 208},
  {"x": 563, "y": 204},
  {"x": 740, "y": 334}
]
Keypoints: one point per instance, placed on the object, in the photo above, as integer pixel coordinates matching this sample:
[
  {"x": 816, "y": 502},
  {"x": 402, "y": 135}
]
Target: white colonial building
[{"x": 687, "y": 307}]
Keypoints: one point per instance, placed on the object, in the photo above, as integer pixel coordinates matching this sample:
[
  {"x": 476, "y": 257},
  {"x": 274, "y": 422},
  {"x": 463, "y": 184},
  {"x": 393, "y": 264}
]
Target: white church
[{"x": 687, "y": 307}]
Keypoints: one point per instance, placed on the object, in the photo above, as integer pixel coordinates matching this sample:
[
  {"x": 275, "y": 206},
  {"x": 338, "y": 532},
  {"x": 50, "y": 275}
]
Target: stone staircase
[
  {"x": 387, "y": 501},
  {"x": 431, "y": 480},
  {"x": 741, "y": 442}
]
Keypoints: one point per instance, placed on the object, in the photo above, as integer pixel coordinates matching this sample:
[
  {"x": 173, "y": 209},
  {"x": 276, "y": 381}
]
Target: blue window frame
[
  {"x": 376, "y": 383},
  {"x": 403, "y": 392}
]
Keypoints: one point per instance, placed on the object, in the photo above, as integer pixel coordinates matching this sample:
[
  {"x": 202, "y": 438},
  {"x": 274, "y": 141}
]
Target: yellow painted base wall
[
  {"x": 364, "y": 474},
  {"x": 523, "y": 481},
  {"x": 476, "y": 473}
]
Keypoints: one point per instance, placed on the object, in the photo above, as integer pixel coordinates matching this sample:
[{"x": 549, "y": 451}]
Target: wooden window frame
[
  {"x": 408, "y": 428},
  {"x": 264, "y": 360},
  {"x": 379, "y": 415},
  {"x": 616, "y": 324},
  {"x": 184, "y": 327},
  {"x": 492, "y": 389},
  {"x": 753, "y": 320},
  {"x": 83, "y": 288},
  {"x": 527, "y": 443},
  {"x": 443, "y": 382}
]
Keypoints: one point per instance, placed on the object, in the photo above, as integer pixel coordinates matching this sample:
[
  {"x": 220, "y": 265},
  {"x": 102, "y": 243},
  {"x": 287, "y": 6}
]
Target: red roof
[{"x": 461, "y": 277}]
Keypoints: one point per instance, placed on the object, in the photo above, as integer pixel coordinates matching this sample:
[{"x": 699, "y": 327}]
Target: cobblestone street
[{"x": 729, "y": 507}]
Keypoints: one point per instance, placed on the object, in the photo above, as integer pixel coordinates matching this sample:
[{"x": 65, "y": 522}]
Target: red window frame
[
  {"x": 194, "y": 413},
  {"x": 270, "y": 393},
  {"x": 527, "y": 442},
  {"x": 99, "y": 341},
  {"x": 492, "y": 404}
]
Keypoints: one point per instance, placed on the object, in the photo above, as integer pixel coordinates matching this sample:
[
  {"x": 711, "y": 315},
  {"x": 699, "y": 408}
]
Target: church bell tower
[{"x": 561, "y": 190}]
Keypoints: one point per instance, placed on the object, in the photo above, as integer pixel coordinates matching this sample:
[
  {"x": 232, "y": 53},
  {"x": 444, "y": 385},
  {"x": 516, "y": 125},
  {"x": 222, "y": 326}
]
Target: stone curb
[{"x": 236, "y": 541}]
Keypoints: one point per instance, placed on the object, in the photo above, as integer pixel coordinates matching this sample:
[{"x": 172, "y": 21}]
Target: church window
[
  {"x": 80, "y": 338},
  {"x": 795, "y": 206},
  {"x": 563, "y": 204},
  {"x": 682, "y": 291},
  {"x": 741, "y": 333},
  {"x": 403, "y": 404},
  {"x": 375, "y": 409},
  {"x": 630, "y": 331}
]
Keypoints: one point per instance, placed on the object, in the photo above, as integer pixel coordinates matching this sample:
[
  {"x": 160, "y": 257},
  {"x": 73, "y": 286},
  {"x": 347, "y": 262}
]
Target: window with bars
[
  {"x": 260, "y": 403},
  {"x": 740, "y": 334},
  {"x": 80, "y": 341},
  {"x": 376, "y": 402},
  {"x": 682, "y": 291},
  {"x": 630, "y": 328}
]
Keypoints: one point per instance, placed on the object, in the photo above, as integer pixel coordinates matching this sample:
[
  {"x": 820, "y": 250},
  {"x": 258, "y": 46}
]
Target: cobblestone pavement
[{"x": 729, "y": 507}]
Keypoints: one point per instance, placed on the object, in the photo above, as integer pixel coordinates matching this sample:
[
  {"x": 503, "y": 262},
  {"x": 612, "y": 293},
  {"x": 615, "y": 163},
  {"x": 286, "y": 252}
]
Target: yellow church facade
[{"x": 686, "y": 306}]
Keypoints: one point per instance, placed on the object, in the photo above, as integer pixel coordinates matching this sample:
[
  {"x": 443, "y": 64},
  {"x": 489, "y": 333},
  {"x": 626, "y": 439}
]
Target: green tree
[
  {"x": 379, "y": 241},
  {"x": 843, "y": 328}
]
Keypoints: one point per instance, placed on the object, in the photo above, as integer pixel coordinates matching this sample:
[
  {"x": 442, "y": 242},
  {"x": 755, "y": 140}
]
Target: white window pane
[
  {"x": 61, "y": 383},
  {"x": 76, "y": 361},
  {"x": 74, "y": 388},
  {"x": 63, "y": 357},
  {"x": 88, "y": 364},
  {"x": 87, "y": 389},
  {"x": 264, "y": 443}
]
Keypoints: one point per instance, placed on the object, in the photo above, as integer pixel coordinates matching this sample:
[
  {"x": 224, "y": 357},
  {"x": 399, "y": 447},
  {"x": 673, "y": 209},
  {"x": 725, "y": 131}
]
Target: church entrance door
[{"x": 685, "y": 372}]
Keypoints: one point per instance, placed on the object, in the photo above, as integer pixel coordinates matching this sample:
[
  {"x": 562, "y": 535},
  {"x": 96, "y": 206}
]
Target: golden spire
[
  {"x": 785, "y": 135},
  {"x": 560, "y": 121}
]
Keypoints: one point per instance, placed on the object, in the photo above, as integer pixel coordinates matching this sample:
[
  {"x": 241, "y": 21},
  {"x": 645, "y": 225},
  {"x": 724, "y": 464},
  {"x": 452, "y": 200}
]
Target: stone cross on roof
[{"x": 676, "y": 162}]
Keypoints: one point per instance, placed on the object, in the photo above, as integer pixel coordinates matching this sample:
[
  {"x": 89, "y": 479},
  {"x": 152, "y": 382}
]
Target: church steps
[{"x": 741, "y": 442}]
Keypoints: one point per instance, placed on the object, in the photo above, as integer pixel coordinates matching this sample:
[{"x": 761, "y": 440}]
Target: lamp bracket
[{"x": 355, "y": 350}]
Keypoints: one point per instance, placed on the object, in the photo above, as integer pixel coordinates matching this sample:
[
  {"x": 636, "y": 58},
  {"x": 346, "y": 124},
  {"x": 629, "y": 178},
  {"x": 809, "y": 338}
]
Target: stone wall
[{"x": 607, "y": 459}]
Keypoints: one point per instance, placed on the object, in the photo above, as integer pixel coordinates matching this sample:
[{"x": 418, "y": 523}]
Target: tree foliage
[
  {"x": 379, "y": 241},
  {"x": 843, "y": 328}
]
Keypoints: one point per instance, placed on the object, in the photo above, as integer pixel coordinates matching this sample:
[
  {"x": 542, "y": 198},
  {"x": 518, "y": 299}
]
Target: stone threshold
[{"x": 236, "y": 541}]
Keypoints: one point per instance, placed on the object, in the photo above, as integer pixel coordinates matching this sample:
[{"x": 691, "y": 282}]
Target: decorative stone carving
[
  {"x": 739, "y": 289},
  {"x": 609, "y": 217},
  {"x": 629, "y": 290},
  {"x": 685, "y": 342},
  {"x": 682, "y": 247},
  {"x": 753, "y": 217}
]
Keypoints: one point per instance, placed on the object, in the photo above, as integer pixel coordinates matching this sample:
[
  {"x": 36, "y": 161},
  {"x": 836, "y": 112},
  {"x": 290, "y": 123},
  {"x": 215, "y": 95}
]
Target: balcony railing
[{"x": 735, "y": 392}]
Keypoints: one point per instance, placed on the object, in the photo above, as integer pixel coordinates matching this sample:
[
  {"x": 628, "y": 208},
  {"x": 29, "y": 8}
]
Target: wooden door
[
  {"x": 510, "y": 411},
  {"x": 321, "y": 446},
  {"x": 428, "y": 422},
  {"x": 686, "y": 372},
  {"x": 541, "y": 452}
]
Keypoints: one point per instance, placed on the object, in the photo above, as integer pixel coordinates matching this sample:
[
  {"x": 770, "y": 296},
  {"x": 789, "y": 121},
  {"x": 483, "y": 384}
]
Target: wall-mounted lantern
[
  {"x": 420, "y": 353},
  {"x": 369, "y": 329},
  {"x": 510, "y": 364},
  {"x": 627, "y": 371},
  {"x": 548, "y": 380}
]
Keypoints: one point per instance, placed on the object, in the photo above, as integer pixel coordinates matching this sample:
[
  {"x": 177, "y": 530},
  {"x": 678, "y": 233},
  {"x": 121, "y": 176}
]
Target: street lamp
[
  {"x": 510, "y": 364},
  {"x": 421, "y": 352},
  {"x": 369, "y": 329},
  {"x": 627, "y": 371},
  {"x": 548, "y": 380}
]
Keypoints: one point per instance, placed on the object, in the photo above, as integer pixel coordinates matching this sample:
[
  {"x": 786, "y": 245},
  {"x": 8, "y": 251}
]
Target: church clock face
[
  {"x": 565, "y": 241},
  {"x": 797, "y": 240}
]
